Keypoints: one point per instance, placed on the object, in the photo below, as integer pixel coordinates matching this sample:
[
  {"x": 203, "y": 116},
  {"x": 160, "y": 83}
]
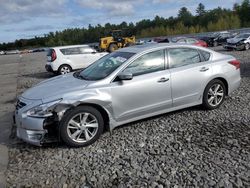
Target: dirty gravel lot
[{"x": 187, "y": 148}]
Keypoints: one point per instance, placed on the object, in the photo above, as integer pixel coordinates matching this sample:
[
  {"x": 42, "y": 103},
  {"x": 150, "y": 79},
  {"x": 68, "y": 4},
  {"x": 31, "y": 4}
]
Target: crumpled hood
[
  {"x": 234, "y": 40},
  {"x": 55, "y": 87}
]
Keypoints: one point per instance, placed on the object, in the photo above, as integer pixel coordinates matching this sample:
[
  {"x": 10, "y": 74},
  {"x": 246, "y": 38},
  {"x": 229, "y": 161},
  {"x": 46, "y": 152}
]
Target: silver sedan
[{"x": 124, "y": 86}]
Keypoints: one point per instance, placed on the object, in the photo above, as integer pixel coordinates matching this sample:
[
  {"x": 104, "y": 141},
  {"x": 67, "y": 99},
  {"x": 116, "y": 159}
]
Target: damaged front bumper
[{"x": 34, "y": 130}]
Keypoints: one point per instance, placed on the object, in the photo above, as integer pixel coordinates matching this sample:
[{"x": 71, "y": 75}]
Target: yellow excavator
[{"x": 116, "y": 40}]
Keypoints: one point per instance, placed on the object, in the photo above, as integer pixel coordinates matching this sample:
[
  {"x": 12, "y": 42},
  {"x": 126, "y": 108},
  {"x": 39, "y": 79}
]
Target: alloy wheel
[
  {"x": 82, "y": 127},
  {"x": 247, "y": 46},
  {"x": 65, "y": 70},
  {"x": 215, "y": 95}
]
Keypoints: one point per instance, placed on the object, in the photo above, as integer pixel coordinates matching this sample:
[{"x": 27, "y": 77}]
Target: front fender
[{"x": 99, "y": 97}]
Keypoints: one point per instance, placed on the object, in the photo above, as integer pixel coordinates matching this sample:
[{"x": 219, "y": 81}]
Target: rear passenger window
[
  {"x": 183, "y": 56},
  {"x": 70, "y": 51},
  {"x": 191, "y": 41},
  {"x": 77, "y": 50},
  {"x": 206, "y": 55}
]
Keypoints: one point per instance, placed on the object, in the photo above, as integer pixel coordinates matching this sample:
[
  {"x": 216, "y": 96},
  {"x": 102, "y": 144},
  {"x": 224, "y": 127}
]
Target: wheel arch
[
  {"x": 103, "y": 112},
  {"x": 221, "y": 79}
]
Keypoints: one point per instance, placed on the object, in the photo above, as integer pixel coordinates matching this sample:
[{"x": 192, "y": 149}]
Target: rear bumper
[
  {"x": 234, "y": 80},
  {"x": 48, "y": 68}
]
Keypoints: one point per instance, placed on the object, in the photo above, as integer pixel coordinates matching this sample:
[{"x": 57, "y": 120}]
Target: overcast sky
[{"x": 29, "y": 18}]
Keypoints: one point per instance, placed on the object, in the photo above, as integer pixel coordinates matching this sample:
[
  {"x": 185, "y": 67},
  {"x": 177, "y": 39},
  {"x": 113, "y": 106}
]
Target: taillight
[
  {"x": 235, "y": 63},
  {"x": 53, "y": 55}
]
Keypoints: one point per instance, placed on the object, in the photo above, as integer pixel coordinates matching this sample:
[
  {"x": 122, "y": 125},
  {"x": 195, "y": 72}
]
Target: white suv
[{"x": 64, "y": 59}]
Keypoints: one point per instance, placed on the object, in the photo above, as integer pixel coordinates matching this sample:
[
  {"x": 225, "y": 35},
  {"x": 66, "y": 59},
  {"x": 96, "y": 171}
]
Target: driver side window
[{"x": 148, "y": 63}]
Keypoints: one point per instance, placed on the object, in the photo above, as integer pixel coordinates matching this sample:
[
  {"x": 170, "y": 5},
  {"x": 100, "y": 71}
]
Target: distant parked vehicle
[
  {"x": 12, "y": 52},
  {"x": 140, "y": 42},
  {"x": 239, "y": 42},
  {"x": 64, "y": 59},
  {"x": 217, "y": 38},
  {"x": 161, "y": 40},
  {"x": 192, "y": 41},
  {"x": 38, "y": 50},
  {"x": 2, "y": 53}
]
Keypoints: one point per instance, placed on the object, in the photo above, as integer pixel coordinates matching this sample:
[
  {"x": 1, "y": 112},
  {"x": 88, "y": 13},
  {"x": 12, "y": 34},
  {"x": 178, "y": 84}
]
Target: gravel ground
[{"x": 187, "y": 148}]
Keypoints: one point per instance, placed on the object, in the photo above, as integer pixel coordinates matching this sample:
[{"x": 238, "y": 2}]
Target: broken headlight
[{"x": 43, "y": 110}]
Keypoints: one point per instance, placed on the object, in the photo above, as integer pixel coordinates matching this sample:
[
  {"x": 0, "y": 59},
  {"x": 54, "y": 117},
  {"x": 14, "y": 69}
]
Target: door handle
[
  {"x": 204, "y": 69},
  {"x": 163, "y": 79}
]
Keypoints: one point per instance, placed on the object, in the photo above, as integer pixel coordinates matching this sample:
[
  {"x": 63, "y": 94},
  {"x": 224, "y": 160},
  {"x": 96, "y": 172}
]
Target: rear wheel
[
  {"x": 64, "y": 69},
  {"x": 81, "y": 126},
  {"x": 214, "y": 94},
  {"x": 113, "y": 47}
]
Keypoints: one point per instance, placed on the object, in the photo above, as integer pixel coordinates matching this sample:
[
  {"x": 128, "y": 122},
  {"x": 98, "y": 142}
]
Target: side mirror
[{"x": 125, "y": 76}]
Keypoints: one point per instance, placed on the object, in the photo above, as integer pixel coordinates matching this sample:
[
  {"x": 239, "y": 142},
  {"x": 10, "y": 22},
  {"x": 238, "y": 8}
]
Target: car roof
[
  {"x": 70, "y": 46},
  {"x": 148, "y": 47}
]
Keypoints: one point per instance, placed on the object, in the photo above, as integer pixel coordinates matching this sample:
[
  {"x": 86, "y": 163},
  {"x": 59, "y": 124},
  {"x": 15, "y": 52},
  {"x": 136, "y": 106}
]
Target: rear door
[
  {"x": 88, "y": 56},
  {"x": 189, "y": 71},
  {"x": 148, "y": 92}
]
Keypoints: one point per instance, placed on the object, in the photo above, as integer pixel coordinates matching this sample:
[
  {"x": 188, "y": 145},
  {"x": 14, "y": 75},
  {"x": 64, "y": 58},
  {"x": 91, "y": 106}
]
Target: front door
[{"x": 148, "y": 92}]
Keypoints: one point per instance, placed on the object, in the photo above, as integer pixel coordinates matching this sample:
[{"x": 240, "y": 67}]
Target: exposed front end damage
[
  {"x": 39, "y": 130},
  {"x": 44, "y": 130}
]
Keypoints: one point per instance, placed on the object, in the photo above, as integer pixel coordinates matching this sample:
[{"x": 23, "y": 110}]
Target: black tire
[
  {"x": 113, "y": 47},
  {"x": 129, "y": 44},
  {"x": 207, "y": 95},
  {"x": 247, "y": 46},
  {"x": 64, "y": 69},
  {"x": 64, "y": 123}
]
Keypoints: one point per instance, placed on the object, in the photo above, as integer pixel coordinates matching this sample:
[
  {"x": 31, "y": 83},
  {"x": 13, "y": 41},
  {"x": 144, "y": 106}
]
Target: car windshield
[
  {"x": 105, "y": 66},
  {"x": 244, "y": 36}
]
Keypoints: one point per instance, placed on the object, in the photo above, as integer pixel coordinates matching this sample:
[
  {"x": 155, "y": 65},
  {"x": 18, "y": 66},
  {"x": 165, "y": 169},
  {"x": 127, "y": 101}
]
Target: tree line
[{"x": 184, "y": 23}]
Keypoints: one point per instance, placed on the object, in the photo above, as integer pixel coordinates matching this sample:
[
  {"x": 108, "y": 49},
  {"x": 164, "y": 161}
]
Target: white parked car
[
  {"x": 64, "y": 59},
  {"x": 2, "y": 52}
]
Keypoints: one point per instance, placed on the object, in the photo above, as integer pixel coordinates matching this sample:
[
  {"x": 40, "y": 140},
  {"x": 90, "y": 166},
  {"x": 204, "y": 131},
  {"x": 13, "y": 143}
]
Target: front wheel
[
  {"x": 247, "y": 46},
  {"x": 81, "y": 126},
  {"x": 214, "y": 94}
]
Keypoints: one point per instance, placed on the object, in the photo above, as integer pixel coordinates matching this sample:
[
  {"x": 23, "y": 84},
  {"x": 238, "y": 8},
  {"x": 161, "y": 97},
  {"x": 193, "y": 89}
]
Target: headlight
[{"x": 43, "y": 110}]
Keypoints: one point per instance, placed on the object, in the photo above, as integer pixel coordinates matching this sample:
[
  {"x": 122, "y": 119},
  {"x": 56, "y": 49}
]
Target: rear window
[
  {"x": 50, "y": 52},
  {"x": 205, "y": 55}
]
